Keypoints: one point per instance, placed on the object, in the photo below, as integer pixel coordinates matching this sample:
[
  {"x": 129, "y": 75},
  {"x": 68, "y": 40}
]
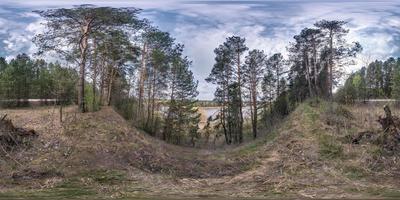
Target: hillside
[{"x": 100, "y": 154}]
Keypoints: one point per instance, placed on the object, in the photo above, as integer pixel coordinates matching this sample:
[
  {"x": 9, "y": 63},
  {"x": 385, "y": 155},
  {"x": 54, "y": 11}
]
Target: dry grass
[{"x": 304, "y": 157}]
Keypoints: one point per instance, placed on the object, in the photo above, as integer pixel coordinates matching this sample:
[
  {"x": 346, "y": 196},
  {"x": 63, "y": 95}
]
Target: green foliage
[
  {"x": 396, "y": 80},
  {"x": 182, "y": 116},
  {"x": 378, "y": 80},
  {"x": 89, "y": 97},
  {"x": 233, "y": 112},
  {"x": 126, "y": 107},
  {"x": 24, "y": 78}
]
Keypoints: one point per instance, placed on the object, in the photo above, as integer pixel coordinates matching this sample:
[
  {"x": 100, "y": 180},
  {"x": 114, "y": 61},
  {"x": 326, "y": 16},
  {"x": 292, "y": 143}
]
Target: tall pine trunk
[
  {"x": 153, "y": 99},
  {"x": 83, "y": 45},
  {"x": 240, "y": 139},
  {"x": 110, "y": 84},
  {"x": 94, "y": 76},
  {"x": 254, "y": 111},
  {"x": 331, "y": 65},
  {"x": 142, "y": 78},
  {"x": 315, "y": 68}
]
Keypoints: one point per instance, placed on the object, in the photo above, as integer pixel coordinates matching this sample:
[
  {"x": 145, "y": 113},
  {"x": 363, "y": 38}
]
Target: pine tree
[
  {"x": 236, "y": 46},
  {"x": 68, "y": 32},
  {"x": 336, "y": 48},
  {"x": 182, "y": 116},
  {"x": 221, "y": 75},
  {"x": 252, "y": 74}
]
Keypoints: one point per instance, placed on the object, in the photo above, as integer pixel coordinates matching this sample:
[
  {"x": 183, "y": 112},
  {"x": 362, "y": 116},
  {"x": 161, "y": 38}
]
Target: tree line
[
  {"x": 24, "y": 78},
  {"x": 271, "y": 86},
  {"x": 128, "y": 63},
  {"x": 377, "y": 80}
]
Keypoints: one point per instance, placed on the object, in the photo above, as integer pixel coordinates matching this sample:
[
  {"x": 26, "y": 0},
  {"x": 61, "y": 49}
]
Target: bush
[{"x": 89, "y": 96}]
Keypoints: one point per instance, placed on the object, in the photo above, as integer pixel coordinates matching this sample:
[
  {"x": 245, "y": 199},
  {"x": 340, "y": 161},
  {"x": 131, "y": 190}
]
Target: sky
[{"x": 202, "y": 25}]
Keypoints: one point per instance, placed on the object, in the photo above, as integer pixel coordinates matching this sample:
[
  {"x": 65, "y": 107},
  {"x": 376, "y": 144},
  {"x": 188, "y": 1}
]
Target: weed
[
  {"x": 105, "y": 176},
  {"x": 354, "y": 172},
  {"x": 329, "y": 147}
]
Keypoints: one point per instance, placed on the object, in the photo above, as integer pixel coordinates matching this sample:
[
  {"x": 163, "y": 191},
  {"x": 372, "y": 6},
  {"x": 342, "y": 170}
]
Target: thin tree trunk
[
  {"x": 315, "y": 68},
  {"x": 240, "y": 100},
  {"x": 149, "y": 91},
  {"x": 153, "y": 101},
  {"x": 142, "y": 78},
  {"x": 308, "y": 77},
  {"x": 94, "y": 76},
  {"x": 331, "y": 65},
  {"x": 227, "y": 112},
  {"x": 102, "y": 77},
  {"x": 81, "y": 84},
  {"x": 61, "y": 112},
  {"x": 110, "y": 83},
  {"x": 254, "y": 111}
]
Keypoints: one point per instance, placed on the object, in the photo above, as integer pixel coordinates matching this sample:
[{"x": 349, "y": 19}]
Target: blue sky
[{"x": 202, "y": 25}]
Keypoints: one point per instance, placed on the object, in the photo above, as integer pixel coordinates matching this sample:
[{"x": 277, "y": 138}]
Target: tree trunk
[
  {"x": 331, "y": 65},
  {"x": 240, "y": 100},
  {"x": 142, "y": 78},
  {"x": 101, "y": 87},
  {"x": 153, "y": 98},
  {"x": 83, "y": 44},
  {"x": 61, "y": 112},
  {"x": 94, "y": 76},
  {"x": 149, "y": 91},
  {"x": 110, "y": 83},
  {"x": 308, "y": 76},
  {"x": 226, "y": 111},
  {"x": 315, "y": 68},
  {"x": 254, "y": 112}
]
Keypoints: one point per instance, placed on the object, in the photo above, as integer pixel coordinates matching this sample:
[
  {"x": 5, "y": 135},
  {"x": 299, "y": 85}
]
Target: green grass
[
  {"x": 66, "y": 190},
  {"x": 329, "y": 147},
  {"x": 105, "y": 176},
  {"x": 355, "y": 173},
  {"x": 255, "y": 146},
  {"x": 384, "y": 192},
  {"x": 310, "y": 113}
]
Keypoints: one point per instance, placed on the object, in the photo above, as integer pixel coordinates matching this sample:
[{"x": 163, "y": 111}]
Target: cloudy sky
[{"x": 202, "y": 25}]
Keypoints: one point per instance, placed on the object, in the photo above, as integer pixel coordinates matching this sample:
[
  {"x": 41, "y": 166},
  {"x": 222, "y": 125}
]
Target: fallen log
[
  {"x": 11, "y": 136},
  {"x": 389, "y": 122}
]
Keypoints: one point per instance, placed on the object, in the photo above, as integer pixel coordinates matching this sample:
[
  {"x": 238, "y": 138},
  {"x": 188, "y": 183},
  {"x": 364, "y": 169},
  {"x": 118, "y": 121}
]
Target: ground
[{"x": 100, "y": 154}]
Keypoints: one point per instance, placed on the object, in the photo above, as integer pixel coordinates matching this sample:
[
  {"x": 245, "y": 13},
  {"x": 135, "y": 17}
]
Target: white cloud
[{"x": 202, "y": 26}]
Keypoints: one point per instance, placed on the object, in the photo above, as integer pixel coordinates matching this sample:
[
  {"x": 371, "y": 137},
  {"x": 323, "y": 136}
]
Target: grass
[
  {"x": 66, "y": 190},
  {"x": 329, "y": 147},
  {"x": 254, "y": 146},
  {"x": 354, "y": 172},
  {"x": 305, "y": 126},
  {"x": 384, "y": 192},
  {"x": 105, "y": 176}
]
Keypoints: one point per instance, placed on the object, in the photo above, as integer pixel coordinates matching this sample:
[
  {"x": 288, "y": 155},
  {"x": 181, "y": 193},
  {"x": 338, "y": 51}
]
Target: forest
[
  {"x": 130, "y": 64},
  {"x": 119, "y": 114}
]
